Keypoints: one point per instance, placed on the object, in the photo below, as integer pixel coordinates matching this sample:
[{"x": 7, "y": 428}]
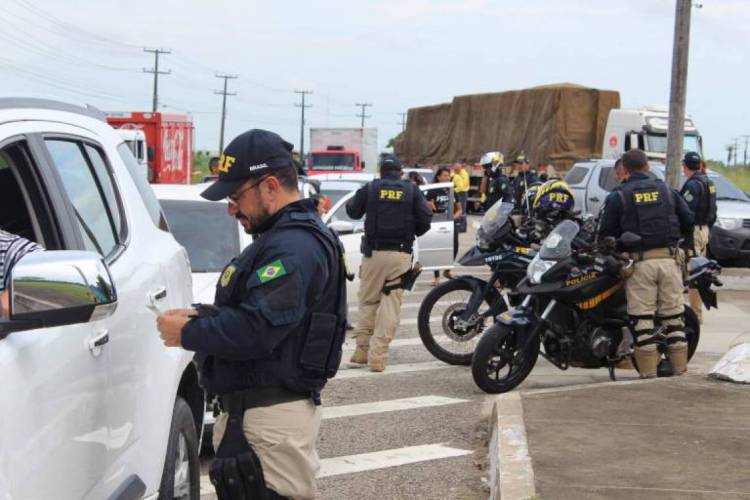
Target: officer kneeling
[
  {"x": 397, "y": 211},
  {"x": 649, "y": 208},
  {"x": 274, "y": 336}
]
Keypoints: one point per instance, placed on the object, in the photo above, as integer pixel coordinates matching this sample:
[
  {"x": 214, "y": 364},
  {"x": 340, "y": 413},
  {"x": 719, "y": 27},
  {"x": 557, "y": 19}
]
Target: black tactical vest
[
  {"x": 706, "y": 211},
  {"x": 311, "y": 354},
  {"x": 390, "y": 214},
  {"x": 649, "y": 211},
  {"x": 499, "y": 189}
]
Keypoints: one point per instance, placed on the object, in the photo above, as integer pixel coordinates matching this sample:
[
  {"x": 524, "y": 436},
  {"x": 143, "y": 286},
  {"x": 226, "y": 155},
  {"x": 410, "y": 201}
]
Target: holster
[
  {"x": 236, "y": 472},
  {"x": 405, "y": 281},
  {"x": 365, "y": 247}
]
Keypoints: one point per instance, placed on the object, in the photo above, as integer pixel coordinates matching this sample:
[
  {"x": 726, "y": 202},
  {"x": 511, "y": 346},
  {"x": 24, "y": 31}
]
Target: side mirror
[
  {"x": 630, "y": 240},
  {"x": 342, "y": 226},
  {"x": 151, "y": 152},
  {"x": 57, "y": 288}
]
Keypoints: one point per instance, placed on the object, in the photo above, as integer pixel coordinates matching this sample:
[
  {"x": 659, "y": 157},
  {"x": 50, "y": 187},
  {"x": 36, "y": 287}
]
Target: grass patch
[{"x": 739, "y": 175}]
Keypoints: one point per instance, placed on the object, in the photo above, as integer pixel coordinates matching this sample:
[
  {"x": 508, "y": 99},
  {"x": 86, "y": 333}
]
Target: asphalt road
[{"x": 416, "y": 430}]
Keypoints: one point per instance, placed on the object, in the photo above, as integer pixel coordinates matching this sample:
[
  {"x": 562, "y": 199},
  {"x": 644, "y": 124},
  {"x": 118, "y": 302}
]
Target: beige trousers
[
  {"x": 379, "y": 314},
  {"x": 283, "y": 436},
  {"x": 700, "y": 242}
]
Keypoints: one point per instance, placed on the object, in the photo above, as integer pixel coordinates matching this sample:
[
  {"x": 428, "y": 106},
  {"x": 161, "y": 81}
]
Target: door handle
[
  {"x": 154, "y": 296},
  {"x": 96, "y": 342},
  {"x": 443, "y": 230},
  {"x": 594, "y": 199}
]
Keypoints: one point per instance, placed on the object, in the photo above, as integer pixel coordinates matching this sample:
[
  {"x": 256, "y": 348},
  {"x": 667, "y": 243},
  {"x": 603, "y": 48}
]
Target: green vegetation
[
  {"x": 200, "y": 165},
  {"x": 739, "y": 175}
]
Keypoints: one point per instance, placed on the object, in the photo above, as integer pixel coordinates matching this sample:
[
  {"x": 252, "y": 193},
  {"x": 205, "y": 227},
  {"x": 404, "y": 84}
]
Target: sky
[{"x": 394, "y": 54}]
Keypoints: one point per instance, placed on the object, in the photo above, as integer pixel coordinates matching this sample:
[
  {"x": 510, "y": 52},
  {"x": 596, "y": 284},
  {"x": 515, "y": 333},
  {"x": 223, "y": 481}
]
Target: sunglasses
[{"x": 234, "y": 199}]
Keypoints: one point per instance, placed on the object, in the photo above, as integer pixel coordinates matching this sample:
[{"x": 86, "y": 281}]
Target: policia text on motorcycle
[
  {"x": 650, "y": 209},
  {"x": 274, "y": 336},
  {"x": 397, "y": 212},
  {"x": 700, "y": 194}
]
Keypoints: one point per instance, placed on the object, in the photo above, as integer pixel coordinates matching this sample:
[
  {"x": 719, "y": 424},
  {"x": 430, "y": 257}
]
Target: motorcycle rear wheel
[
  {"x": 440, "y": 342},
  {"x": 497, "y": 352}
]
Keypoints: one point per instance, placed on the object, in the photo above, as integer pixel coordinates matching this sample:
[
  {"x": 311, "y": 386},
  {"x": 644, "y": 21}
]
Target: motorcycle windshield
[
  {"x": 492, "y": 223},
  {"x": 557, "y": 246}
]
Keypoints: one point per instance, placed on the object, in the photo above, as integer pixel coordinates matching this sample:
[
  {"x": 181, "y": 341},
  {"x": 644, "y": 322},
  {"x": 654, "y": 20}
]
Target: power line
[
  {"x": 403, "y": 121},
  {"x": 224, "y": 94},
  {"x": 302, "y": 107},
  {"x": 155, "y": 71},
  {"x": 362, "y": 114}
]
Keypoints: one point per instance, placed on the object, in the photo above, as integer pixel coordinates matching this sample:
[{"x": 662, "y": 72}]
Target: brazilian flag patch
[{"x": 270, "y": 272}]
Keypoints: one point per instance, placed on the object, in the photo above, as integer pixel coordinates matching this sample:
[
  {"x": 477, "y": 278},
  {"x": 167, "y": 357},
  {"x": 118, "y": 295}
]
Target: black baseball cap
[
  {"x": 252, "y": 154},
  {"x": 390, "y": 162},
  {"x": 692, "y": 160},
  {"x": 520, "y": 158}
]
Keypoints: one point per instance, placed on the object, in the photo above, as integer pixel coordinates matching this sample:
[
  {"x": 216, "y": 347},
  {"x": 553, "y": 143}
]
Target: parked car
[
  {"x": 96, "y": 405},
  {"x": 591, "y": 181},
  {"x": 427, "y": 174}
]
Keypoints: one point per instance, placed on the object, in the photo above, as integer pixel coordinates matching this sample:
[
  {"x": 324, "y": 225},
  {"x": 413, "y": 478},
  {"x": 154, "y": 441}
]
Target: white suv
[{"x": 95, "y": 405}]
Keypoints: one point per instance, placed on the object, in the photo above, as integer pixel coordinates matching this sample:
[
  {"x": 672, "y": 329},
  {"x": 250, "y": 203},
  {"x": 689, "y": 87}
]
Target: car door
[
  {"x": 436, "y": 245},
  {"x": 601, "y": 181},
  {"x": 54, "y": 438},
  {"x": 350, "y": 239}
]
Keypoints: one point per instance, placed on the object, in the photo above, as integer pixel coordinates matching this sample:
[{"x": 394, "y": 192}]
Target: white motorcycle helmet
[{"x": 493, "y": 160}]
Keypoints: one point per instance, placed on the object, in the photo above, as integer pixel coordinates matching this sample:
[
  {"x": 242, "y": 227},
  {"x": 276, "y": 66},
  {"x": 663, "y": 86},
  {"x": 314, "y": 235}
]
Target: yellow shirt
[{"x": 461, "y": 181}]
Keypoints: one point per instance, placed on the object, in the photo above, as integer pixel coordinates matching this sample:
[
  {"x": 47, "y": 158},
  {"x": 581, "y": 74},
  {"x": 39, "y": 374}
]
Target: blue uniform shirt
[{"x": 281, "y": 282}]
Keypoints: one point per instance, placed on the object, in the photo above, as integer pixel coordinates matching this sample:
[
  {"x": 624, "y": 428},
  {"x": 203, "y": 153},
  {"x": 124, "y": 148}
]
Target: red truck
[
  {"x": 169, "y": 143},
  {"x": 334, "y": 159}
]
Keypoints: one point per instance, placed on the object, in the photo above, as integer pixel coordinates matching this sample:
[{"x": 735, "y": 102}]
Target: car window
[
  {"x": 141, "y": 183},
  {"x": 576, "y": 175},
  {"x": 86, "y": 196},
  {"x": 340, "y": 214},
  {"x": 104, "y": 175},
  {"x": 607, "y": 178},
  {"x": 193, "y": 223},
  {"x": 441, "y": 198}
]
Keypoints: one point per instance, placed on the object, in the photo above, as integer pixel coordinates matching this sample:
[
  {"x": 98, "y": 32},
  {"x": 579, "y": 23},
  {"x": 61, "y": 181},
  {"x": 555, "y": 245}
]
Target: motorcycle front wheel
[
  {"x": 439, "y": 322},
  {"x": 499, "y": 363}
]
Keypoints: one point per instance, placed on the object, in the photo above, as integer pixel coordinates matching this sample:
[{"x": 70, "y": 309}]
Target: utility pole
[
  {"x": 403, "y": 121},
  {"x": 678, "y": 91},
  {"x": 224, "y": 94},
  {"x": 156, "y": 73},
  {"x": 302, "y": 106},
  {"x": 744, "y": 157},
  {"x": 729, "y": 155},
  {"x": 362, "y": 114},
  {"x": 736, "y": 149}
]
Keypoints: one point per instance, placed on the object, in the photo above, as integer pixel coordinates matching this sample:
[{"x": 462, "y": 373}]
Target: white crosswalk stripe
[
  {"x": 387, "y": 458},
  {"x": 359, "y": 371},
  {"x": 388, "y": 406}
]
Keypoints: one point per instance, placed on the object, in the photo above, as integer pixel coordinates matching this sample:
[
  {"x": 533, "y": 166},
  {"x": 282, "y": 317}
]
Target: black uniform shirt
[
  {"x": 609, "y": 225},
  {"x": 441, "y": 198},
  {"x": 290, "y": 274},
  {"x": 357, "y": 206}
]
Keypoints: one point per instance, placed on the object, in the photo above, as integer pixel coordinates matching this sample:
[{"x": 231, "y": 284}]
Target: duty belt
[
  {"x": 260, "y": 397},
  {"x": 391, "y": 247},
  {"x": 654, "y": 253}
]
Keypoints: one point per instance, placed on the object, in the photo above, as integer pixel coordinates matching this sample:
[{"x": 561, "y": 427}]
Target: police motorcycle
[
  {"x": 453, "y": 316},
  {"x": 575, "y": 308}
]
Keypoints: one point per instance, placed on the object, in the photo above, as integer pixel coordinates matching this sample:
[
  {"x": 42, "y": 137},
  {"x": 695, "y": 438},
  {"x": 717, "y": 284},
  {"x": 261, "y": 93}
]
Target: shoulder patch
[
  {"x": 226, "y": 276},
  {"x": 688, "y": 196},
  {"x": 271, "y": 271}
]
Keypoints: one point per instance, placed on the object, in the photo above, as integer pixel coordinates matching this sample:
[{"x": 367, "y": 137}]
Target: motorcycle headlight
[
  {"x": 537, "y": 268},
  {"x": 728, "y": 223}
]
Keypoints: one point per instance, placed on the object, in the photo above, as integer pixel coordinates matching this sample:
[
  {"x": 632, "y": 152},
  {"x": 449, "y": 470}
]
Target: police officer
[
  {"x": 649, "y": 208},
  {"x": 397, "y": 212},
  {"x": 274, "y": 336},
  {"x": 523, "y": 179},
  {"x": 700, "y": 194},
  {"x": 496, "y": 184}
]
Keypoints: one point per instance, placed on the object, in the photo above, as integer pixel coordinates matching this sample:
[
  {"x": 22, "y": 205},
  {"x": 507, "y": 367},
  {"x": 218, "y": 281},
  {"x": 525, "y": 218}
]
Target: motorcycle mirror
[{"x": 630, "y": 240}]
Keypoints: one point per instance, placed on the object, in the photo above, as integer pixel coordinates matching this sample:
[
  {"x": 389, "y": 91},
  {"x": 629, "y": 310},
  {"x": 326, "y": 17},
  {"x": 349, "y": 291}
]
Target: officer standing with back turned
[
  {"x": 397, "y": 212},
  {"x": 274, "y": 336},
  {"x": 700, "y": 194},
  {"x": 650, "y": 209}
]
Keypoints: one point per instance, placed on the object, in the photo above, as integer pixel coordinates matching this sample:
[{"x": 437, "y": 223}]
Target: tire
[
  {"x": 181, "y": 476},
  {"x": 463, "y": 339},
  {"x": 487, "y": 360}
]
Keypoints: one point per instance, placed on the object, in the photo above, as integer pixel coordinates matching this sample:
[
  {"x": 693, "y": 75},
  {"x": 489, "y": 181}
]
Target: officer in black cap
[
  {"x": 523, "y": 179},
  {"x": 274, "y": 336},
  {"x": 700, "y": 194},
  {"x": 397, "y": 212},
  {"x": 648, "y": 208}
]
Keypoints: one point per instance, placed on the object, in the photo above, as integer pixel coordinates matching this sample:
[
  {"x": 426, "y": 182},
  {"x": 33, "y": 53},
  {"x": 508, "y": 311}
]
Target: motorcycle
[{"x": 575, "y": 308}]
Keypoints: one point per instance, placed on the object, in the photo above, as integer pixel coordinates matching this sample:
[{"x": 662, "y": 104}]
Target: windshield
[
  {"x": 557, "y": 244},
  {"x": 335, "y": 194},
  {"x": 493, "y": 221},
  {"x": 209, "y": 235},
  {"x": 332, "y": 161},
  {"x": 725, "y": 190},
  {"x": 658, "y": 143}
]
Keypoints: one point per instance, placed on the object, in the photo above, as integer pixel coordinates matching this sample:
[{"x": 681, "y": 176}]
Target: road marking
[
  {"x": 363, "y": 371},
  {"x": 387, "y": 458},
  {"x": 388, "y": 406},
  {"x": 351, "y": 344}
]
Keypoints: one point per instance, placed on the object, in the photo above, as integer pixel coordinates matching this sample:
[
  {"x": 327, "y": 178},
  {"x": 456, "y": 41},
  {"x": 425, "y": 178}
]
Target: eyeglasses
[{"x": 234, "y": 199}]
